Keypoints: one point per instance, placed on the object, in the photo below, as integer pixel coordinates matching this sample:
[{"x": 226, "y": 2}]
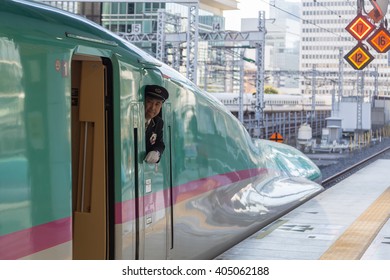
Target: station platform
[{"x": 349, "y": 221}]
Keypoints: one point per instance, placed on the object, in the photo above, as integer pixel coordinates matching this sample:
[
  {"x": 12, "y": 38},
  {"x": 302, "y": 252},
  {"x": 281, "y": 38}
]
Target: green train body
[{"x": 73, "y": 181}]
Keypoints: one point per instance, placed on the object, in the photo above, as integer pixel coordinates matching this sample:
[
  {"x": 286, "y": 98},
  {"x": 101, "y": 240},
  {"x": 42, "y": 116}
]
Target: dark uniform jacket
[{"x": 154, "y": 136}]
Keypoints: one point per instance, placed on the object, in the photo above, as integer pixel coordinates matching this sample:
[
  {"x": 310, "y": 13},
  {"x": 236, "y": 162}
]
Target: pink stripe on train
[
  {"x": 32, "y": 240},
  {"x": 124, "y": 211}
]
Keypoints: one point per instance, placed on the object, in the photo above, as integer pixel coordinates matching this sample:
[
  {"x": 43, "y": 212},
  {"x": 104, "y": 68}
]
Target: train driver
[{"x": 155, "y": 96}]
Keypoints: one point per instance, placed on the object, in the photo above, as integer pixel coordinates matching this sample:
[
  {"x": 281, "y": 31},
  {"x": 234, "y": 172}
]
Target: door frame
[{"x": 105, "y": 113}]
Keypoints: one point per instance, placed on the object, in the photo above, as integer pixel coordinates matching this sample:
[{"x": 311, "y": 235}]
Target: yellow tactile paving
[{"x": 352, "y": 244}]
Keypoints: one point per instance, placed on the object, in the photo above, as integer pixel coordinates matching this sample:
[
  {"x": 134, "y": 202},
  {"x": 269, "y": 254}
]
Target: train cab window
[{"x": 155, "y": 96}]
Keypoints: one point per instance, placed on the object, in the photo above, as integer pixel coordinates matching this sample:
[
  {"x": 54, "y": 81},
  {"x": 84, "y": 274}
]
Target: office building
[{"x": 324, "y": 44}]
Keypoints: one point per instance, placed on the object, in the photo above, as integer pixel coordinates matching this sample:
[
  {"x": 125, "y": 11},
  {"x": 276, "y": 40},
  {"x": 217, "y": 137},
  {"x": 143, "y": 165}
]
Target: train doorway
[
  {"x": 92, "y": 163},
  {"x": 155, "y": 228}
]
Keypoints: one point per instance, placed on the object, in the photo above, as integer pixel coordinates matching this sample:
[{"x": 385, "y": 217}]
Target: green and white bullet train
[{"x": 73, "y": 180}]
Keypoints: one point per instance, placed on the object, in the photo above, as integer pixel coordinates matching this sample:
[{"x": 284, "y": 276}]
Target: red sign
[
  {"x": 277, "y": 137},
  {"x": 359, "y": 57},
  {"x": 380, "y": 40},
  {"x": 360, "y": 27},
  {"x": 375, "y": 15},
  {"x": 379, "y": 11}
]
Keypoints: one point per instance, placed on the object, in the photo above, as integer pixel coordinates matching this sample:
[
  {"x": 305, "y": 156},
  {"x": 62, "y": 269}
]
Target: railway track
[{"x": 337, "y": 177}]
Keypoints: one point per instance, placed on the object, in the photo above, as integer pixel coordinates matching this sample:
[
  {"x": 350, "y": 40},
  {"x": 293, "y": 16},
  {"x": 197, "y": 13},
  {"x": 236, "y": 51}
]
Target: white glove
[{"x": 152, "y": 157}]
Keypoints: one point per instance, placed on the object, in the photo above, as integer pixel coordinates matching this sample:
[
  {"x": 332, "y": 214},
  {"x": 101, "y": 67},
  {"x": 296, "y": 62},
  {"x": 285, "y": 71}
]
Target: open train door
[
  {"x": 155, "y": 220},
  {"x": 92, "y": 163}
]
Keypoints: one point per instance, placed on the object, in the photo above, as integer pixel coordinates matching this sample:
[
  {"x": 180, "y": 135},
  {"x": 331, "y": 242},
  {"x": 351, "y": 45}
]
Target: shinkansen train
[
  {"x": 275, "y": 102},
  {"x": 73, "y": 180}
]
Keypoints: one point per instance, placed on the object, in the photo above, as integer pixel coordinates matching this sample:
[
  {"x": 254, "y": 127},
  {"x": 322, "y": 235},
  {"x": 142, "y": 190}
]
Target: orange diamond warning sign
[
  {"x": 380, "y": 40},
  {"x": 359, "y": 57},
  {"x": 360, "y": 27},
  {"x": 277, "y": 137}
]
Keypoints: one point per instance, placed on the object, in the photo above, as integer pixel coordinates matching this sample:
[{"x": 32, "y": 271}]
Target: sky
[{"x": 248, "y": 9}]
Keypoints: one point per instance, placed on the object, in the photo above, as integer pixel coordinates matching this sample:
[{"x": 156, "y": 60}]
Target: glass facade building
[{"x": 141, "y": 18}]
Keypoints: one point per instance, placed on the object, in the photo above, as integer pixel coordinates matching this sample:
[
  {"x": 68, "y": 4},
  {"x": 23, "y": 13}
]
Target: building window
[
  {"x": 139, "y": 8},
  {"x": 148, "y": 7},
  {"x": 131, "y": 8}
]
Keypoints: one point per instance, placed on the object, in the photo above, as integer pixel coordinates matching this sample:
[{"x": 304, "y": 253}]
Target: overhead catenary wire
[
  {"x": 325, "y": 7},
  {"x": 303, "y": 20}
]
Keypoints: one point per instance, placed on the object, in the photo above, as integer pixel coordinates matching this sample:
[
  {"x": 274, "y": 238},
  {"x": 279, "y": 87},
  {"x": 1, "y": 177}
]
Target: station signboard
[{"x": 359, "y": 57}]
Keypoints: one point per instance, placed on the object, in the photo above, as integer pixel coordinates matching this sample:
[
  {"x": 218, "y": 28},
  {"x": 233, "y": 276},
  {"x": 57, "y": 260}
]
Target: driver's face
[{"x": 152, "y": 107}]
